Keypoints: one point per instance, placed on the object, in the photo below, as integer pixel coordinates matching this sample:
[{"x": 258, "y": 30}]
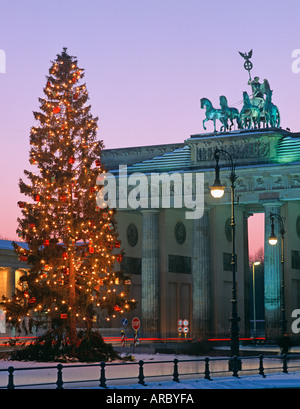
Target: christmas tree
[{"x": 73, "y": 247}]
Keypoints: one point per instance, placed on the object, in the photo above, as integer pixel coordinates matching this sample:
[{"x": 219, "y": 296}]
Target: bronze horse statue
[
  {"x": 250, "y": 114},
  {"x": 213, "y": 114},
  {"x": 230, "y": 113},
  {"x": 271, "y": 111}
]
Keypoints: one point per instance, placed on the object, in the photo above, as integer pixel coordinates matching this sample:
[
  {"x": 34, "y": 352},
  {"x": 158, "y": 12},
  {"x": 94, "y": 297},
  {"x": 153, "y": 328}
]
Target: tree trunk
[{"x": 72, "y": 314}]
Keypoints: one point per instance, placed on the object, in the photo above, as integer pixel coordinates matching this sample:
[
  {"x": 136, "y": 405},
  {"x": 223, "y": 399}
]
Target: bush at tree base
[{"x": 90, "y": 348}]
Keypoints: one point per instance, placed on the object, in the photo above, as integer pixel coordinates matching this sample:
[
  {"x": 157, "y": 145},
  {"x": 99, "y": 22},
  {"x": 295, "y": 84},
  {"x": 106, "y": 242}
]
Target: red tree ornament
[{"x": 23, "y": 258}]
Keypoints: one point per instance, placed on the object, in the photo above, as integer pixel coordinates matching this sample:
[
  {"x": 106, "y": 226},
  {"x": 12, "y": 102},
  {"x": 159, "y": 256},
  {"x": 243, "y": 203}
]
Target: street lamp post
[
  {"x": 273, "y": 241},
  {"x": 217, "y": 191},
  {"x": 255, "y": 263}
]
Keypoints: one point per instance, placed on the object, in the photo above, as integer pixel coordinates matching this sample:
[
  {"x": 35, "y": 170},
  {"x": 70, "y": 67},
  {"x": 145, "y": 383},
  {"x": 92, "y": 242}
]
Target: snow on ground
[
  {"x": 272, "y": 381},
  {"x": 48, "y": 373}
]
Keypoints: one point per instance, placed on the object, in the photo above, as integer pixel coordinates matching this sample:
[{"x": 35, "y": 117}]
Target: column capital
[{"x": 269, "y": 203}]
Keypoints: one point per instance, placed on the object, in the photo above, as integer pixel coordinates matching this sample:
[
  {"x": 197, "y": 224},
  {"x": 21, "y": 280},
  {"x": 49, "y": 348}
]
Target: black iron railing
[{"x": 176, "y": 370}]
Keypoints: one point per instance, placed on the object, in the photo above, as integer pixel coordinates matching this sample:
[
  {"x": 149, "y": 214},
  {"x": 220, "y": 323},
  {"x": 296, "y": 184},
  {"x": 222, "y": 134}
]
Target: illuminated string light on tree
[{"x": 73, "y": 246}]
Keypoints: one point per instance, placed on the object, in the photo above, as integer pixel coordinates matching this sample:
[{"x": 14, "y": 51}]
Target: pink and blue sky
[{"x": 148, "y": 63}]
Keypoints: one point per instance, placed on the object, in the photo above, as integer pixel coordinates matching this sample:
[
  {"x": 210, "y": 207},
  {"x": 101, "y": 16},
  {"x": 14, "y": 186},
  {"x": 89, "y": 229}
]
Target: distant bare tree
[
  {"x": 258, "y": 256},
  {"x": 5, "y": 238}
]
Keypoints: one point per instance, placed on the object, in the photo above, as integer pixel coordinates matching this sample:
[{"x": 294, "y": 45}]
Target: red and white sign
[
  {"x": 135, "y": 323},
  {"x": 135, "y": 338}
]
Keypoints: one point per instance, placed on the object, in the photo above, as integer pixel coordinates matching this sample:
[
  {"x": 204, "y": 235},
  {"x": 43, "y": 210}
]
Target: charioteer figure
[{"x": 258, "y": 89}]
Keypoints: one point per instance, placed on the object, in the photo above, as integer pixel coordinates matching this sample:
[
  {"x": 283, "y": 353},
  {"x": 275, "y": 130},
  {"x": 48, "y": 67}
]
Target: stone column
[
  {"x": 201, "y": 277},
  {"x": 150, "y": 273},
  {"x": 7, "y": 281},
  {"x": 7, "y": 288},
  {"x": 272, "y": 271},
  {"x": 11, "y": 282}
]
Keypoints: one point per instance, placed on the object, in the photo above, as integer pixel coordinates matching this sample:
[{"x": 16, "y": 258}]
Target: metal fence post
[
  {"x": 59, "y": 381},
  {"x": 10, "y": 384},
  {"x": 235, "y": 365},
  {"x": 284, "y": 365},
  {"x": 141, "y": 373},
  {"x": 175, "y": 373},
  {"x": 207, "y": 371},
  {"x": 261, "y": 366},
  {"x": 102, "y": 375}
]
